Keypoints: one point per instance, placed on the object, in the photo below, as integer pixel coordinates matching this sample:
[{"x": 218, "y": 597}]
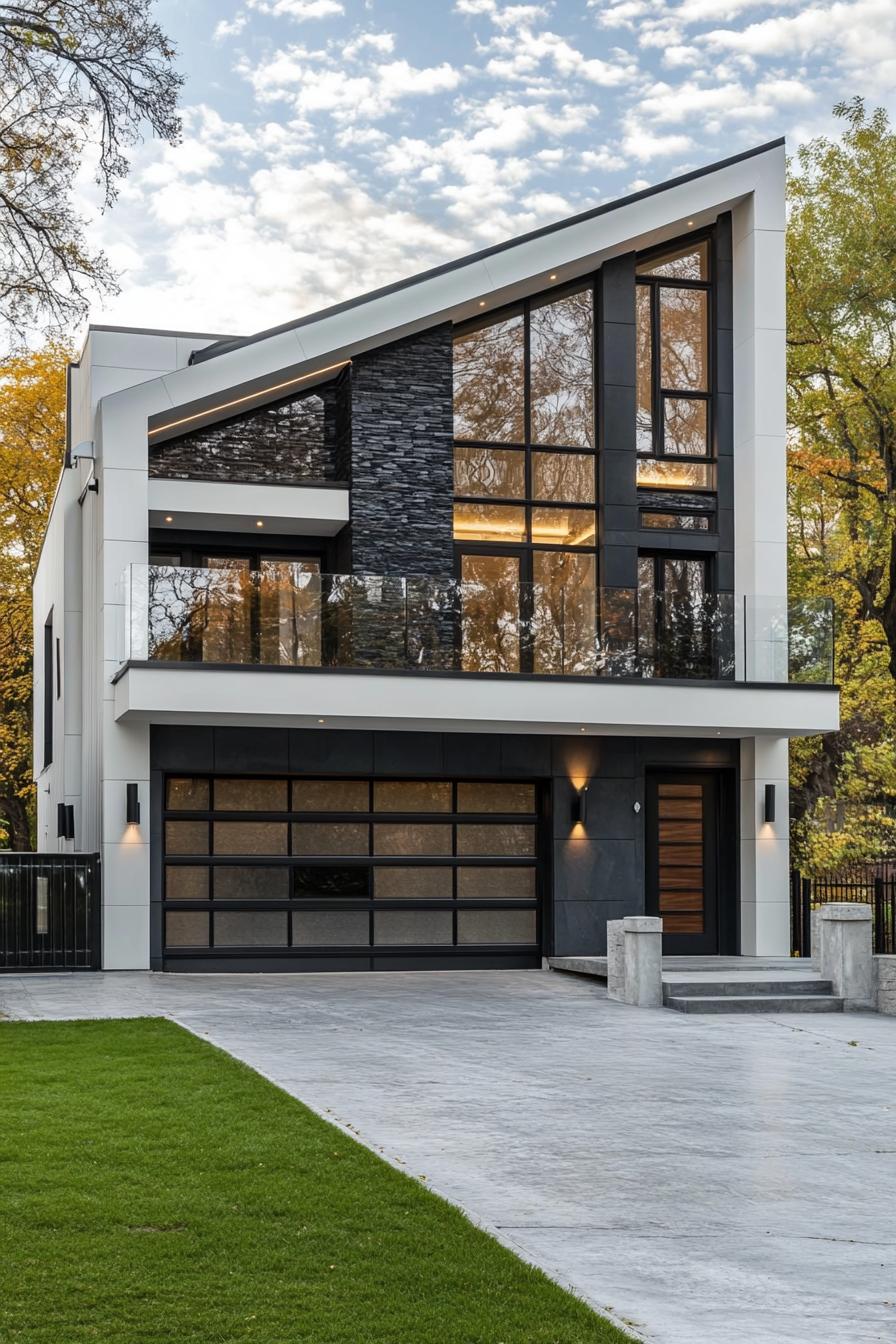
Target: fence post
[
  {"x": 878, "y": 908},
  {"x": 806, "y": 910},
  {"x": 845, "y": 951}
]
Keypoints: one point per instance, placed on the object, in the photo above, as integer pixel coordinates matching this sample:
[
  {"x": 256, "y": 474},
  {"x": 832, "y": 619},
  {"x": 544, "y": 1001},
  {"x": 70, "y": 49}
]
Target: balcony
[{"x": 288, "y": 615}]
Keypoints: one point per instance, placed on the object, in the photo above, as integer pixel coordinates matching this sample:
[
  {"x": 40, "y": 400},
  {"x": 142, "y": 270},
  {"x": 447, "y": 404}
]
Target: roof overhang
[{"x": 487, "y": 280}]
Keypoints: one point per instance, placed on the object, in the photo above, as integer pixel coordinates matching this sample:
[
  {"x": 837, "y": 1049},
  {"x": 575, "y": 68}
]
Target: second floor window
[
  {"x": 525, "y": 486},
  {"x": 673, "y": 373}
]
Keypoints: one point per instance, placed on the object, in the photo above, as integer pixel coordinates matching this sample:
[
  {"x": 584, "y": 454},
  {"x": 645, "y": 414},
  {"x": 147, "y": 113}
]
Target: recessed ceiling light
[
  {"x": 690, "y": 223},
  {"x": 259, "y": 523},
  {"x": 482, "y": 303},
  {"x": 552, "y": 277},
  {"x": 321, "y": 720},
  {"x": 168, "y": 518},
  {"x": 582, "y": 730}
]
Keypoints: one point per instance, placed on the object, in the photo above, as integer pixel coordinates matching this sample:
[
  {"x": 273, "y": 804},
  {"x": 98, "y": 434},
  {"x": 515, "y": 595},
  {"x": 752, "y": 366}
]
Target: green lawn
[{"x": 151, "y": 1188}]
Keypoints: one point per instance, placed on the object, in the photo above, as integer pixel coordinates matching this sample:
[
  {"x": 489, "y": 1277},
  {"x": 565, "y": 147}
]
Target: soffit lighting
[
  {"x": 552, "y": 277},
  {"x": 168, "y": 518},
  {"x": 259, "y": 523},
  {"x": 250, "y": 396},
  {"x": 482, "y": 303}
]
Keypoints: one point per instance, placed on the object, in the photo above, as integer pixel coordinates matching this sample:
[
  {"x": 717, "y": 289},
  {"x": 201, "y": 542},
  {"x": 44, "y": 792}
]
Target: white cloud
[
  {"x": 301, "y": 10},
  {"x": 230, "y": 27},
  {"x": 312, "y": 82},
  {"x": 643, "y": 144}
]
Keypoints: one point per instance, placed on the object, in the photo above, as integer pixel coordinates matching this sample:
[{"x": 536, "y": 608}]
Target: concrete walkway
[{"x": 710, "y": 1180}]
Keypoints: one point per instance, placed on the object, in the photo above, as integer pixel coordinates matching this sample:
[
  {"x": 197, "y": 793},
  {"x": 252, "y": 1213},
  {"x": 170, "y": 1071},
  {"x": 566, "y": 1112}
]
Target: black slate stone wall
[
  {"x": 300, "y": 439},
  {"x": 402, "y": 457}
]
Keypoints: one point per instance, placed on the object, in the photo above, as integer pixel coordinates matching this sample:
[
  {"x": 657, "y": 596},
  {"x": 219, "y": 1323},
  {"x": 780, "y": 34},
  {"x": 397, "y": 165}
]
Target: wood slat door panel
[{"x": 682, "y": 859}]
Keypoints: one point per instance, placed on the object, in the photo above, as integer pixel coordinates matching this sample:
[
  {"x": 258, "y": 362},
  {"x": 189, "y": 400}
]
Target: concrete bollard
[
  {"x": 643, "y": 946},
  {"x": 844, "y": 952},
  {"x": 615, "y": 960}
]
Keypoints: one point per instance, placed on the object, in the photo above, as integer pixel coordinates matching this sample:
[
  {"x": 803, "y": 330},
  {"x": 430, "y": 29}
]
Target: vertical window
[
  {"x": 524, "y": 515},
  {"x": 673, "y": 372},
  {"x": 48, "y": 690}
]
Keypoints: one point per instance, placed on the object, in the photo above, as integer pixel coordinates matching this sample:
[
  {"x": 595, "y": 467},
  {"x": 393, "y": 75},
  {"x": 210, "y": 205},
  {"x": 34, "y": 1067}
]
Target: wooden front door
[{"x": 682, "y": 850}]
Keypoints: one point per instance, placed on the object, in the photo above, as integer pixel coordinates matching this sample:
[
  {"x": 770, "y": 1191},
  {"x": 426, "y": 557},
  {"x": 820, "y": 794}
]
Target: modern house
[{"x": 438, "y": 627}]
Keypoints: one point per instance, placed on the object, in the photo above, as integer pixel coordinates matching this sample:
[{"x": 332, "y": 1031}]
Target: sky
[{"x": 331, "y": 146}]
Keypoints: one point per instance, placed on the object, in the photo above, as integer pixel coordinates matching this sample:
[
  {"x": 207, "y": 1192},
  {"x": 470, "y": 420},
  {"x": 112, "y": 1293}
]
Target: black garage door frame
[{"x": 343, "y": 958}]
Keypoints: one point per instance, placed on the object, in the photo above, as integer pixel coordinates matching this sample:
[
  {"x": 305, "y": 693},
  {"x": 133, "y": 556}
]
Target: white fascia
[{"x": 301, "y": 698}]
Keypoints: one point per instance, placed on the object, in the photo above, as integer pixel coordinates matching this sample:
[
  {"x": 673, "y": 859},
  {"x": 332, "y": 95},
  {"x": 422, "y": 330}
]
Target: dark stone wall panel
[
  {"x": 402, "y": 457},
  {"x": 302, "y": 439}
]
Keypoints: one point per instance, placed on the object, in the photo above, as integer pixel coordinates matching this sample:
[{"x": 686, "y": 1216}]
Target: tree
[
  {"x": 75, "y": 74},
  {"x": 841, "y": 262},
  {"x": 32, "y": 444}
]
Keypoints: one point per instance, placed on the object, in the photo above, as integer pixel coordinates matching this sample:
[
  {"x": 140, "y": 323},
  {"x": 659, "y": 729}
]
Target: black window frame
[{"x": 659, "y": 393}]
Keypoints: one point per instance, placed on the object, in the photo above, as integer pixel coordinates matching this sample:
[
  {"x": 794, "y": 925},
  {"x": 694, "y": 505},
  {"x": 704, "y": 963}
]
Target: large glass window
[
  {"x": 673, "y": 370},
  {"x": 522, "y": 514}
]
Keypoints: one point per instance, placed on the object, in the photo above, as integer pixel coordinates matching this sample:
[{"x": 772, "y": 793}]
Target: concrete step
[
  {"x": 715, "y": 988},
  {"x": 755, "y": 1003}
]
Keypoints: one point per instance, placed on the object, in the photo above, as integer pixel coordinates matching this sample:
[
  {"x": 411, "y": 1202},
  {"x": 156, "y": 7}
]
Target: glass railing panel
[
  {"x": 287, "y": 614},
  {"x": 687, "y": 636},
  {"x": 810, "y": 641}
]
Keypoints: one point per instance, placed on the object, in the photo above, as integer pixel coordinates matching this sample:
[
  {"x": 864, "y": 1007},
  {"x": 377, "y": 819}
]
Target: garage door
[{"x": 350, "y": 874}]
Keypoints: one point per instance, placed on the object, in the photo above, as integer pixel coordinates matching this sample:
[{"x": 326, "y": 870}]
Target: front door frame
[{"x": 722, "y": 846}]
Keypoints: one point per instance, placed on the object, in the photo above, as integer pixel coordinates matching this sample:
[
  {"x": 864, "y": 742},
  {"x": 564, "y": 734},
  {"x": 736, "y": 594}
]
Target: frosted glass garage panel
[{"x": 496, "y": 926}]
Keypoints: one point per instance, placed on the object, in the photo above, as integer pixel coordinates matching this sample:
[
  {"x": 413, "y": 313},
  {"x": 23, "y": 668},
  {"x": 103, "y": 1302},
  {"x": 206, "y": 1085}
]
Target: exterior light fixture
[
  {"x": 582, "y": 730},
  {"x": 259, "y": 523},
  {"x": 168, "y": 518},
  {"x": 769, "y": 811},
  {"x": 482, "y": 303},
  {"x": 552, "y": 277},
  {"x": 321, "y": 720},
  {"x": 579, "y": 811},
  {"x": 132, "y": 812},
  {"x": 690, "y": 223}
]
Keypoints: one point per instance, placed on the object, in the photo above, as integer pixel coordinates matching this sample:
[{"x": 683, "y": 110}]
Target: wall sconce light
[
  {"x": 769, "y": 812},
  {"x": 133, "y": 805},
  {"x": 579, "y": 810}
]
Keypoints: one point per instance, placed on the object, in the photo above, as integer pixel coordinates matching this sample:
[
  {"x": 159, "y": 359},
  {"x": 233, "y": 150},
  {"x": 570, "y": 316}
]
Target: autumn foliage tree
[
  {"x": 841, "y": 271},
  {"x": 32, "y": 443}
]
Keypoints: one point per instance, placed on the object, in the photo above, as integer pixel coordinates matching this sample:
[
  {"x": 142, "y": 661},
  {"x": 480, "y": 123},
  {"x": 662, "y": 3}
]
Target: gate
[
  {"x": 49, "y": 912},
  {"x": 873, "y": 884}
]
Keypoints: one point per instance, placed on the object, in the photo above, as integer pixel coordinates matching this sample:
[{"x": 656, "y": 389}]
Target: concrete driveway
[{"x": 725, "y": 1180}]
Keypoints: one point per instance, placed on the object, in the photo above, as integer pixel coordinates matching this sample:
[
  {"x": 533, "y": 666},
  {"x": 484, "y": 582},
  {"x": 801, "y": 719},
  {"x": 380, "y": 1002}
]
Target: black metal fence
[
  {"x": 49, "y": 912},
  {"x": 871, "y": 883}
]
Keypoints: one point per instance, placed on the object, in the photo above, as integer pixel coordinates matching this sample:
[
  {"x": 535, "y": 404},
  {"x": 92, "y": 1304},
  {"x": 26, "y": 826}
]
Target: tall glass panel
[
  {"x": 289, "y": 612},
  {"x": 685, "y": 426},
  {"x": 224, "y": 616},
  {"x": 488, "y": 383},
  {"x": 683, "y": 338},
  {"x": 490, "y": 613},
  {"x": 643, "y": 371},
  {"x": 561, "y": 371},
  {"x": 565, "y": 612}
]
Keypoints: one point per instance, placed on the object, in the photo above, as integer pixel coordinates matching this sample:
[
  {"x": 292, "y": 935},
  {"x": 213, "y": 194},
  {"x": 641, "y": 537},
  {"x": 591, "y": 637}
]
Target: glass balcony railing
[{"x": 289, "y": 615}]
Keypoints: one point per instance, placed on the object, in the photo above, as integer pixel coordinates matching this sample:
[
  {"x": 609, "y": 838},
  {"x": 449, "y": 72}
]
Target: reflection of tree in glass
[
  {"x": 685, "y": 426},
  {"x": 564, "y": 613},
  {"x": 644, "y": 371},
  {"x": 488, "y": 383},
  {"x": 683, "y": 338},
  {"x": 561, "y": 371},
  {"x": 500, "y": 472},
  {"x": 490, "y": 614}
]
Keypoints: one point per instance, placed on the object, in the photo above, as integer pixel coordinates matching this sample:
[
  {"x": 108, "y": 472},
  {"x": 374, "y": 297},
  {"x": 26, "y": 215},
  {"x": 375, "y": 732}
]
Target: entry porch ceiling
[{"x": 298, "y": 697}]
